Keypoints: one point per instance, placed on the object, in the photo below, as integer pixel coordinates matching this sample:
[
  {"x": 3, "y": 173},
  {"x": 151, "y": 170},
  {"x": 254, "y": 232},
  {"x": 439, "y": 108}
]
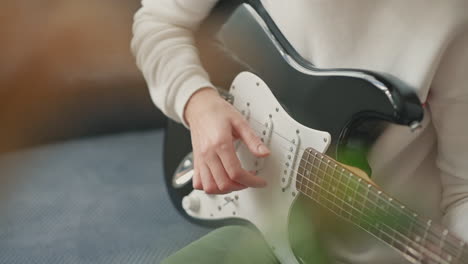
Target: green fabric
[{"x": 227, "y": 245}]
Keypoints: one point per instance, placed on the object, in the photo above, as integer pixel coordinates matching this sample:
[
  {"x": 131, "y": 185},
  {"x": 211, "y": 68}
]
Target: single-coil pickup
[
  {"x": 266, "y": 133},
  {"x": 290, "y": 159},
  {"x": 246, "y": 112}
]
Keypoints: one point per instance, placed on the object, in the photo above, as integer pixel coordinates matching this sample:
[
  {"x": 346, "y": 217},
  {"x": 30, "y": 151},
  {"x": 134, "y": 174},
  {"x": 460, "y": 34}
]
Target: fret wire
[
  {"x": 323, "y": 190},
  {"x": 347, "y": 215},
  {"x": 442, "y": 241},
  {"x": 409, "y": 214},
  {"x": 454, "y": 240},
  {"x": 312, "y": 165},
  {"x": 448, "y": 246},
  {"x": 410, "y": 231},
  {"x": 431, "y": 234},
  {"x": 354, "y": 191},
  {"x": 377, "y": 207},
  {"x": 282, "y": 138},
  {"x": 304, "y": 169},
  {"x": 347, "y": 195},
  {"x": 386, "y": 213},
  {"x": 333, "y": 184},
  {"x": 347, "y": 187},
  {"x": 326, "y": 184},
  {"x": 315, "y": 166},
  {"x": 351, "y": 218},
  {"x": 275, "y": 132},
  {"x": 357, "y": 203},
  {"x": 449, "y": 241},
  {"x": 309, "y": 172},
  {"x": 457, "y": 248},
  {"x": 320, "y": 183},
  {"x": 339, "y": 181},
  {"x": 342, "y": 200},
  {"x": 366, "y": 198},
  {"x": 381, "y": 231},
  {"x": 302, "y": 179},
  {"x": 333, "y": 173},
  {"x": 428, "y": 226}
]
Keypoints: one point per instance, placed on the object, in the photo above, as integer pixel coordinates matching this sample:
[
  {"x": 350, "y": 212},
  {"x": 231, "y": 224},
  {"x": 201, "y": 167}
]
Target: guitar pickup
[
  {"x": 290, "y": 161},
  {"x": 246, "y": 113},
  {"x": 265, "y": 137},
  {"x": 267, "y": 131}
]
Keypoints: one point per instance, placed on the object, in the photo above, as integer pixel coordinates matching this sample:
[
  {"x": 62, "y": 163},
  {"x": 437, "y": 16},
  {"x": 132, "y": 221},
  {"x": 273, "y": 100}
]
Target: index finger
[{"x": 231, "y": 163}]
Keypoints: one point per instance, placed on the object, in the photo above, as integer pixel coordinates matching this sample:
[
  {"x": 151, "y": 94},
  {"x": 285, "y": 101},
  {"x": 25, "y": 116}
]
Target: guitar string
[
  {"x": 447, "y": 246},
  {"x": 365, "y": 207},
  {"x": 341, "y": 208},
  {"x": 440, "y": 250},
  {"x": 375, "y": 209},
  {"x": 407, "y": 211},
  {"x": 444, "y": 249},
  {"x": 393, "y": 238}
]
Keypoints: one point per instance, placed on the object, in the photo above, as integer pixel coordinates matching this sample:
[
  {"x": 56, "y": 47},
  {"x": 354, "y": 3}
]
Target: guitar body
[{"x": 293, "y": 106}]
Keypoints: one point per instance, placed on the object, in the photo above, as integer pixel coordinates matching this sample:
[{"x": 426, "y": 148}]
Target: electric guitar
[{"x": 318, "y": 124}]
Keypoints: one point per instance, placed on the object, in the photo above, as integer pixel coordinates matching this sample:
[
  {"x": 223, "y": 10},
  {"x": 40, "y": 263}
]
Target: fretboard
[{"x": 357, "y": 200}]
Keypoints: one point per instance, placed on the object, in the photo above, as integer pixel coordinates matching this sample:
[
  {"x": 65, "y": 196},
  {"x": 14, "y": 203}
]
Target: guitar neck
[{"x": 357, "y": 200}]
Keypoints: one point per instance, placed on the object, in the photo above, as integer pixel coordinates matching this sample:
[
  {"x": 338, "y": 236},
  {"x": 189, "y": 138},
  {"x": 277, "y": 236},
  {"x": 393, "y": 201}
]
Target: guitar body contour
[{"x": 293, "y": 106}]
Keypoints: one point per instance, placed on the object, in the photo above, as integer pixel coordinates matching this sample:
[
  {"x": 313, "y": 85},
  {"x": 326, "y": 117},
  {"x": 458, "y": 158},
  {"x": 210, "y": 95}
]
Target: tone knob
[{"x": 191, "y": 203}]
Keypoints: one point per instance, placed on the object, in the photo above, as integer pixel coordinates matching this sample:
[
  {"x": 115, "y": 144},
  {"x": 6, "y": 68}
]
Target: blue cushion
[{"x": 96, "y": 200}]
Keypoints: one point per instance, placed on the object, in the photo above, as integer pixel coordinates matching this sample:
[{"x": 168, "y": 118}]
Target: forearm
[{"x": 164, "y": 48}]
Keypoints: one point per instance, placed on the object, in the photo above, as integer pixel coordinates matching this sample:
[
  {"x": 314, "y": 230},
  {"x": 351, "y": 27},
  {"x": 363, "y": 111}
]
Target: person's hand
[{"x": 214, "y": 126}]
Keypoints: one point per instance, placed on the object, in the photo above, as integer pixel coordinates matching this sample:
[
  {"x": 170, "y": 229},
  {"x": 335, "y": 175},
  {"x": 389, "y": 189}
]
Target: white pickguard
[{"x": 267, "y": 208}]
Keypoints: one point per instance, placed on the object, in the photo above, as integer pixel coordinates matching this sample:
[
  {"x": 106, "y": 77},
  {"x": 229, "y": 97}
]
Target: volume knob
[{"x": 191, "y": 203}]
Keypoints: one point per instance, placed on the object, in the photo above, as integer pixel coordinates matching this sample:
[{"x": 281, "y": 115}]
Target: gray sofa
[
  {"x": 80, "y": 141},
  {"x": 95, "y": 200}
]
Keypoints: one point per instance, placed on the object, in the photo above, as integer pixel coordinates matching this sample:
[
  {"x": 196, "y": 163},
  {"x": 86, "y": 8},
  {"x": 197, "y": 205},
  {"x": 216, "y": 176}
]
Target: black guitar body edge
[{"x": 352, "y": 105}]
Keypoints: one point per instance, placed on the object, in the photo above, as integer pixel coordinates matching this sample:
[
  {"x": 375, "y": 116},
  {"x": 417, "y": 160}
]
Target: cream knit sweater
[{"x": 422, "y": 42}]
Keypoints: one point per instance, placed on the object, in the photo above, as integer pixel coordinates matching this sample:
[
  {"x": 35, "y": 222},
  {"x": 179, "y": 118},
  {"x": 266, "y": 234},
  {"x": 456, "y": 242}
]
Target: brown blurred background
[{"x": 66, "y": 71}]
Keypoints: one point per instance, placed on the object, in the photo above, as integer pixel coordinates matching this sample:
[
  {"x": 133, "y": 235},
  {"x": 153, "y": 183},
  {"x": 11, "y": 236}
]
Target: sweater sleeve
[
  {"x": 163, "y": 45},
  {"x": 449, "y": 106}
]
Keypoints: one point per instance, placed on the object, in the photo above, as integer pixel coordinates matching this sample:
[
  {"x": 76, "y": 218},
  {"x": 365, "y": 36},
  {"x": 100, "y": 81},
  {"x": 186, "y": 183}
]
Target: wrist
[{"x": 200, "y": 98}]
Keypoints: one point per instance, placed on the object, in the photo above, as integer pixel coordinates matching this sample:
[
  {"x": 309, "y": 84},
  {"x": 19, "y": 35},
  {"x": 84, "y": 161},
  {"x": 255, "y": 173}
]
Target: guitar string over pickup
[
  {"x": 265, "y": 136},
  {"x": 290, "y": 161},
  {"x": 245, "y": 112}
]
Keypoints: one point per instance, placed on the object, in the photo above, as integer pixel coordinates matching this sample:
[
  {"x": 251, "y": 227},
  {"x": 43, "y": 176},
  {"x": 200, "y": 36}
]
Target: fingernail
[{"x": 263, "y": 149}]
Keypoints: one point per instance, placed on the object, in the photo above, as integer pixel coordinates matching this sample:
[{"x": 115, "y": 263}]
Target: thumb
[{"x": 250, "y": 139}]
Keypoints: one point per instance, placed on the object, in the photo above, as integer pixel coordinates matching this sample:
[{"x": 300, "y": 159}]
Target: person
[{"x": 423, "y": 43}]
